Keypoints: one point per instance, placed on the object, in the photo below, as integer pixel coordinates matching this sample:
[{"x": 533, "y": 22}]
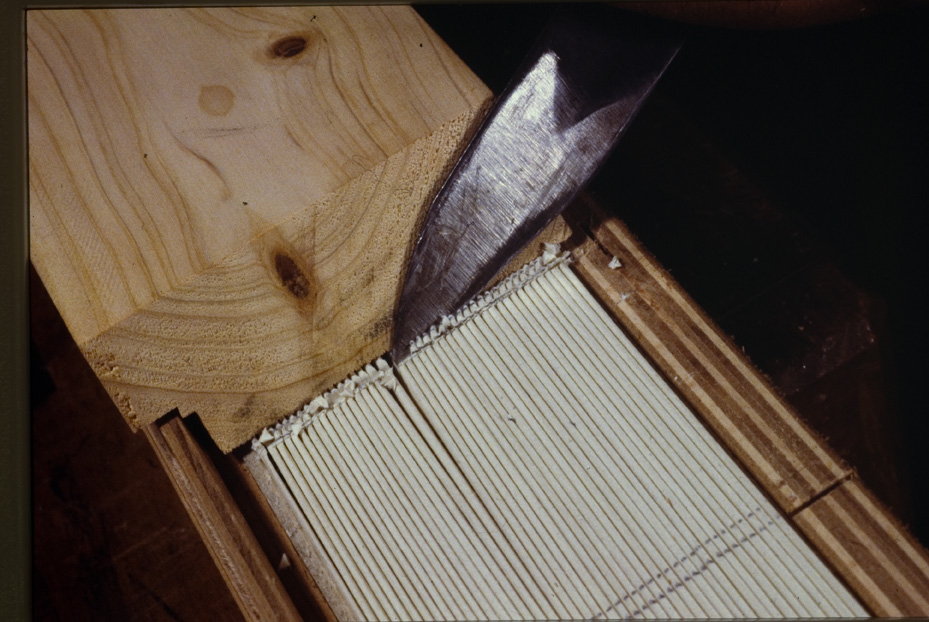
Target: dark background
[{"x": 778, "y": 175}]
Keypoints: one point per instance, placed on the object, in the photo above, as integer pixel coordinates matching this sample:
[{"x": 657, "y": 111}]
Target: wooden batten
[
  {"x": 884, "y": 564},
  {"x": 222, "y": 200},
  {"x": 886, "y": 568},
  {"x": 248, "y": 573}
]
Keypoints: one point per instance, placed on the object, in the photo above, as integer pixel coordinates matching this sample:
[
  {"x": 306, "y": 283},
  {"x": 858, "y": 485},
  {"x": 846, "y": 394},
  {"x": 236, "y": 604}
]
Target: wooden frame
[{"x": 860, "y": 540}]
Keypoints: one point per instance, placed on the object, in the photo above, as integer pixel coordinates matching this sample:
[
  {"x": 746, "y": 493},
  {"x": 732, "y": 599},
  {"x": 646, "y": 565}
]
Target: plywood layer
[
  {"x": 222, "y": 200},
  {"x": 867, "y": 546}
]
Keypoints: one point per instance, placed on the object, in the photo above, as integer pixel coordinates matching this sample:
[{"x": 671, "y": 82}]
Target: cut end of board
[
  {"x": 293, "y": 312},
  {"x": 224, "y": 222}
]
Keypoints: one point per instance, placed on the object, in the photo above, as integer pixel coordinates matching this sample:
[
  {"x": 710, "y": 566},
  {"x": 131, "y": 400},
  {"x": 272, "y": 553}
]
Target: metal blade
[{"x": 559, "y": 118}]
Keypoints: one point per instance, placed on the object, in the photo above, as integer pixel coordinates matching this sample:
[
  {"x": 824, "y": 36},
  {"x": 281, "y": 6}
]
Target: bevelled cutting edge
[{"x": 548, "y": 133}]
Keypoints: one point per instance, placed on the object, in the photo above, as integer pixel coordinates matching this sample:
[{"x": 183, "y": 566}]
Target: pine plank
[{"x": 222, "y": 199}]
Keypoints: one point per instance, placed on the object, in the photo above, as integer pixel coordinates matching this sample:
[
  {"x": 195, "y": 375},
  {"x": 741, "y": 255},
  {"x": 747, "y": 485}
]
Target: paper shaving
[{"x": 379, "y": 372}]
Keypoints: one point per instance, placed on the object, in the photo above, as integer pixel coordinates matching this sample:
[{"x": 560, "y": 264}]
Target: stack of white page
[{"x": 527, "y": 462}]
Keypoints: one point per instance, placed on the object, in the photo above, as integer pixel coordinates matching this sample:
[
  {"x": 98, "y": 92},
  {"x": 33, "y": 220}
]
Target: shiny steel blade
[{"x": 559, "y": 118}]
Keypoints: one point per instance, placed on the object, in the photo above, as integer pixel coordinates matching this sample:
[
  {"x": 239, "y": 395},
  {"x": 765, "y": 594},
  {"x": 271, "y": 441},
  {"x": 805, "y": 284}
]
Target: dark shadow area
[{"x": 781, "y": 177}]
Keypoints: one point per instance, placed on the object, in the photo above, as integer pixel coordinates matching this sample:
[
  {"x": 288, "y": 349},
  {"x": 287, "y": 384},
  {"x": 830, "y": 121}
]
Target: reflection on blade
[{"x": 551, "y": 130}]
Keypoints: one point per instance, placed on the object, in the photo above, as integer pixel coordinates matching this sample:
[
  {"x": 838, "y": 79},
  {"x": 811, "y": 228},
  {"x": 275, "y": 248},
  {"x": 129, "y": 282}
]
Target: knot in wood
[
  {"x": 292, "y": 277},
  {"x": 288, "y": 47}
]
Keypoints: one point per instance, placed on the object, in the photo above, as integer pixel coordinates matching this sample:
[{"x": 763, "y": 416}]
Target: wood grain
[
  {"x": 222, "y": 200},
  {"x": 868, "y": 547},
  {"x": 235, "y": 550}
]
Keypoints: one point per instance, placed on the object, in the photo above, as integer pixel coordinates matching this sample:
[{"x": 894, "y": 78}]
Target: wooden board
[
  {"x": 247, "y": 572},
  {"x": 222, "y": 200},
  {"x": 867, "y": 546}
]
